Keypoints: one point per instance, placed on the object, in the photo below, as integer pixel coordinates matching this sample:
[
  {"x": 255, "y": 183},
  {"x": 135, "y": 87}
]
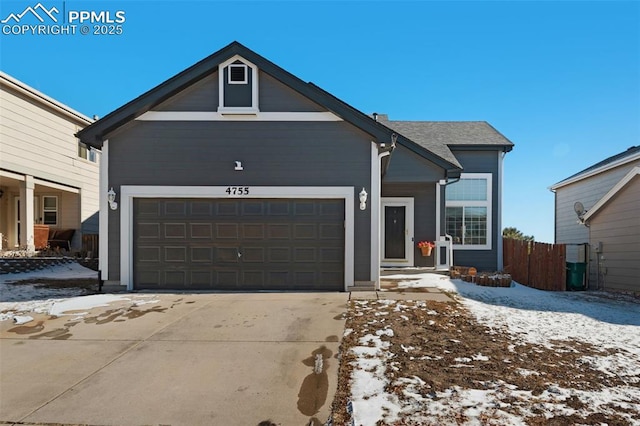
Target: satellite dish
[{"x": 578, "y": 208}]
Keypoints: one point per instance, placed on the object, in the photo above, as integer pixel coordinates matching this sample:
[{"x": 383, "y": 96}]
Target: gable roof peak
[
  {"x": 95, "y": 133},
  {"x": 630, "y": 154}
]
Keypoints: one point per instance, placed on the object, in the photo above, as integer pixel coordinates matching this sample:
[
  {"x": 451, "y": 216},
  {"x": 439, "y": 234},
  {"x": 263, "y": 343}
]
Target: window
[
  {"x": 238, "y": 87},
  {"x": 86, "y": 152},
  {"x": 468, "y": 211},
  {"x": 50, "y": 210},
  {"x": 238, "y": 74}
]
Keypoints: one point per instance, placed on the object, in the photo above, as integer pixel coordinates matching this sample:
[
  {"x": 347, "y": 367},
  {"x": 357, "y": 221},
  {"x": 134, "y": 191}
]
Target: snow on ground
[
  {"x": 30, "y": 292},
  {"x": 370, "y": 401},
  {"x": 540, "y": 317},
  {"x": 529, "y": 316},
  {"x": 17, "y": 301}
]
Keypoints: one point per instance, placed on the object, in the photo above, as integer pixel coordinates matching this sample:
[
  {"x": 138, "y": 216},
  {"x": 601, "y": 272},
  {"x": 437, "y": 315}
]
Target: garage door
[{"x": 238, "y": 244}]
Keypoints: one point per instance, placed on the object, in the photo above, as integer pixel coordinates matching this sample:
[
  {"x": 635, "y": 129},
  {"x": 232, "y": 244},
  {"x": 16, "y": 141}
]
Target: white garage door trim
[{"x": 129, "y": 192}]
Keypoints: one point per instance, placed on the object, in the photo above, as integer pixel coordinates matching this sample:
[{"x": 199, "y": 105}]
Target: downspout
[
  {"x": 444, "y": 183},
  {"x": 375, "y": 218},
  {"x": 555, "y": 213},
  {"x": 103, "y": 214}
]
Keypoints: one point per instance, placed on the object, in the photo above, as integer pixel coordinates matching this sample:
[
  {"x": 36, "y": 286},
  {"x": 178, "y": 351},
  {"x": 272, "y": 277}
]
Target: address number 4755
[{"x": 237, "y": 190}]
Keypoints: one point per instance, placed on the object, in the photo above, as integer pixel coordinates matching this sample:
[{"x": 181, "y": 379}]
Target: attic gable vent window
[
  {"x": 238, "y": 87},
  {"x": 238, "y": 74}
]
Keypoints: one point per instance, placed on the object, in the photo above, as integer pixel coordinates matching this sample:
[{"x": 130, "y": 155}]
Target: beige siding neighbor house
[
  {"x": 600, "y": 207},
  {"x": 614, "y": 234},
  {"x": 47, "y": 177}
]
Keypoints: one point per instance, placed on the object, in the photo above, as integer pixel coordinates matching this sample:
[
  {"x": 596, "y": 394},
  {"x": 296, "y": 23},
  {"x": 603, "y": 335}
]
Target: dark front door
[
  {"x": 238, "y": 244},
  {"x": 394, "y": 232}
]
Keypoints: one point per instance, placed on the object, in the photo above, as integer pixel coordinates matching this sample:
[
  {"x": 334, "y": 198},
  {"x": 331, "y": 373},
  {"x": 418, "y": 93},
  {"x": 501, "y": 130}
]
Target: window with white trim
[
  {"x": 238, "y": 86},
  {"x": 468, "y": 211},
  {"x": 50, "y": 209},
  {"x": 238, "y": 74}
]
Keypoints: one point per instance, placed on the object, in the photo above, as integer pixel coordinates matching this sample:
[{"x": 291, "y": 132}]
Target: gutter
[{"x": 583, "y": 175}]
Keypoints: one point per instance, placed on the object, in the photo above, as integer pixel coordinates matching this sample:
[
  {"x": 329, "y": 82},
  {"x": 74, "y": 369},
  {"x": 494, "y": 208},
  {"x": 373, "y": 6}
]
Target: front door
[{"x": 397, "y": 232}]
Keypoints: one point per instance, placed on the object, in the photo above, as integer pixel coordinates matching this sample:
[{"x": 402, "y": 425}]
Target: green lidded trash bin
[{"x": 575, "y": 275}]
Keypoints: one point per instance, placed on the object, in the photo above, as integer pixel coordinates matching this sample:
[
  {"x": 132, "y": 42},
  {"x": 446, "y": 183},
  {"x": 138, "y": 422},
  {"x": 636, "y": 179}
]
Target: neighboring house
[
  {"x": 607, "y": 220},
  {"x": 47, "y": 176},
  {"x": 237, "y": 175}
]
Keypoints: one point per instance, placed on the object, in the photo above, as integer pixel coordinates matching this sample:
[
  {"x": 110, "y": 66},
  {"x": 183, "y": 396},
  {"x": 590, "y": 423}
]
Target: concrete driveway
[{"x": 192, "y": 359}]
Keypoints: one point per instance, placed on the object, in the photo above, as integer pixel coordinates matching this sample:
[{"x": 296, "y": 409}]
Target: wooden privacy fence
[
  {"x": 537, "y": 265},
  {"x": 90, "y": 245}
]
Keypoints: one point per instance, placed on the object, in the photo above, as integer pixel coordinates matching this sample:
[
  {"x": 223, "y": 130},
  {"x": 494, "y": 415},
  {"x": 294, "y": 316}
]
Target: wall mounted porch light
[
  {"x": 111, "y": 197},
  {"x": 363, "y": 199}
]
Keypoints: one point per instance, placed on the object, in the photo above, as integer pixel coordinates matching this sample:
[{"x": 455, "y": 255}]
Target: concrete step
[{"x": 361, "y": 288}]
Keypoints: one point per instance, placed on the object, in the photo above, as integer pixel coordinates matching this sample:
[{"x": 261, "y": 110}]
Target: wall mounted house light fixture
[
  {"x": 363, "y": 199},
  {"x": 111, "y": 197}
]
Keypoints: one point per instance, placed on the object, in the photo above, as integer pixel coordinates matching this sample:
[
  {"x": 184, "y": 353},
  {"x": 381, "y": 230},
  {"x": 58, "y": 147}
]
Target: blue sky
[{"x": 559, "y": 79}]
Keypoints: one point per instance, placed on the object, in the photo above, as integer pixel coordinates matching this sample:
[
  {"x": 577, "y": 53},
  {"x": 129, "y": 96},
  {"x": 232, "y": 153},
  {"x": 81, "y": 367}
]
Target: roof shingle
[
  {"x": 439, "y": 136},
  {"x": 601, "y": 164}
]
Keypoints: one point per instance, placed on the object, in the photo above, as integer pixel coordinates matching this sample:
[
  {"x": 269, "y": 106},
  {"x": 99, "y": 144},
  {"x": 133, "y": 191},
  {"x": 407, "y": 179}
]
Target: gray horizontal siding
[
  {"x": 201, "y": 96},
  {"x": 272, "y": 154},
  {"x": 407, "y": 166},
  {"x": 273, "y": 96},
  {"x": 238, "y": 95},
  {"x": 617, "y": 227},
  {"x": 477, "y": 161},
  {"x": 424, "y": 195},
  {"x": 480, "y": 162}
]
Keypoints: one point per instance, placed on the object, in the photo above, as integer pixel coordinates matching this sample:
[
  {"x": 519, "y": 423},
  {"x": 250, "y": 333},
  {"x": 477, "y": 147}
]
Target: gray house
[
  {"x": 237, "y": 175},
  {"x": 598, "y": 208}
]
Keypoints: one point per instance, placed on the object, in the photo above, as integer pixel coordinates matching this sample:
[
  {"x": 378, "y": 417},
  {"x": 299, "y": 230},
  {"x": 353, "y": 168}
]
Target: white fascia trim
[
  {"x": 599, "y": 170},
  {"x": 242, "y": 114},
  {"x": 254, "y": 82},
  {"x": 438, "y": 191},
  {"x": 613, "y": 191},
  {"x": 103, "y": 216},
  {"x": 57, "y": 186},
  {"x": 129, "y": 192},
  {"x": 12, "y": 175},
  {"x": 500, "y": 260}
]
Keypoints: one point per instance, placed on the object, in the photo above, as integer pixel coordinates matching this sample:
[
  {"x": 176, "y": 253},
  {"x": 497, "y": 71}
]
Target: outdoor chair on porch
[{"x": 60, "y": 238}]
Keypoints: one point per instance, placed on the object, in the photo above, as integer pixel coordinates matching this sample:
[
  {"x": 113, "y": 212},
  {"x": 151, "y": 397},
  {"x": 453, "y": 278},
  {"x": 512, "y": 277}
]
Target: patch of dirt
[{"x": 444, "y": 346}]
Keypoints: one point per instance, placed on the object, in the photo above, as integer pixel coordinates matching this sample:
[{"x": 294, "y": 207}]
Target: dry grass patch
[{"x": 439, "y": 357}]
